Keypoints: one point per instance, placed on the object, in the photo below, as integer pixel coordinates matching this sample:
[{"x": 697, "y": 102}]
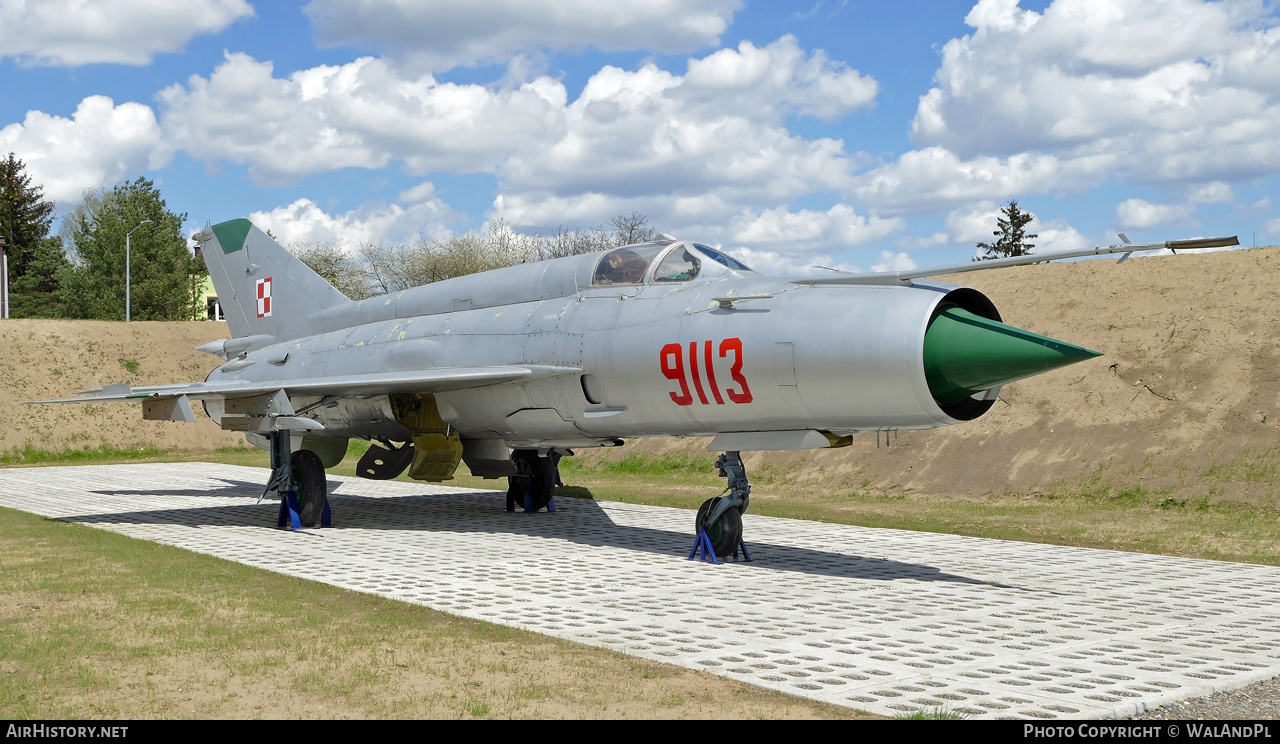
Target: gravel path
[{"x": 1257, "y": 701}]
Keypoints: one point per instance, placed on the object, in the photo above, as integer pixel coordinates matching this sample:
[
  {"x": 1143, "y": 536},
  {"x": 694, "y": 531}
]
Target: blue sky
[{"x": 868, "y": 135}]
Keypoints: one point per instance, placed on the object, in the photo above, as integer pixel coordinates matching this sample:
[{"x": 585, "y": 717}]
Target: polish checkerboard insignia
[{"x": 264, "y": 297}]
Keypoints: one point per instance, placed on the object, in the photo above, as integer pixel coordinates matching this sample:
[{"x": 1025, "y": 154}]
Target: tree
[
  {"x": 164, "y": 272},
  {"x": 25, "y": 216},
  {"x": 1011, "y": 237},
  {"x": 375, "y": 269},
  {"x": 331, "y": 261},
  {"x": 36, "y": 293},
  {"x": 632, "y": 228}
]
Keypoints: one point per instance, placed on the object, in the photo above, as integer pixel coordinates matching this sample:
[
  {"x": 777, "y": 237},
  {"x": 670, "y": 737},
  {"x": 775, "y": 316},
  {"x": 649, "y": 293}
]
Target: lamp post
[
  {"x": 126, "y": 270},
  {"x": 4, "y": 277}
]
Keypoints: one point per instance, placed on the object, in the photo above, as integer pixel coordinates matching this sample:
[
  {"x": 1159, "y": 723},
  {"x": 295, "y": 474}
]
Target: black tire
[
  {"x": 726, "y": 533},
  {"x": 313, "y": 489},
  {"x": 536, "y": 473}
]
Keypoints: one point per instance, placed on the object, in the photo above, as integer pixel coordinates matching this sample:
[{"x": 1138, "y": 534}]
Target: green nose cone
[{"x": 965, "y": 353}]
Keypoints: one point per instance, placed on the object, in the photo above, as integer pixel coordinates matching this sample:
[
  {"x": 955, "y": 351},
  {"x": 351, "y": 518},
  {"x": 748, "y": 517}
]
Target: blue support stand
[
  {"x": 288, "y": 516},
  {"x": 703, "y": 543},
  {"x": 326, "y": 519},
  {"x": 528, "y": 501}
]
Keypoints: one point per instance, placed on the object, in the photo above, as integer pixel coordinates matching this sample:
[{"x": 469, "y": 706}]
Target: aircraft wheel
[
  {"x": 535, "y": 472},
  {"x": 726, "y": 533},
  {"x": 312, "y": 486}
]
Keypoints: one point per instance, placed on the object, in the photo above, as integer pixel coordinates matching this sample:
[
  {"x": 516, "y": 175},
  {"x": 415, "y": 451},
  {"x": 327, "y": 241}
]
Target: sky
[{"x": 856, "y": 135}]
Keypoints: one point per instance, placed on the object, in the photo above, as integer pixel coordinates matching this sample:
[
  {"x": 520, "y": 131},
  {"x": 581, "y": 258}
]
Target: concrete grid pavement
[{"x": 887, "y": 621}]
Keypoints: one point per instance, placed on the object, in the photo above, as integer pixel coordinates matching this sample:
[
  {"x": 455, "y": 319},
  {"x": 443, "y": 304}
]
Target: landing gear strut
[
  {"x": 299, "y": 480},
  {"x": 719, "y": 520},
  {"x": 535, "y": 481}
]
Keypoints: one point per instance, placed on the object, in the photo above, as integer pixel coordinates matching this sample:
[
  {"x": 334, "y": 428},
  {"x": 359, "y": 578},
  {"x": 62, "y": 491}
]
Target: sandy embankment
[{"x": 44, "y": 359}]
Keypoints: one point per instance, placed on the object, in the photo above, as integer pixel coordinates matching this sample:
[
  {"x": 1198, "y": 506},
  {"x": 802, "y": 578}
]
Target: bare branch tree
[
  {"x": 632, "y": 228},
  {"x": 374, "y": 269}
]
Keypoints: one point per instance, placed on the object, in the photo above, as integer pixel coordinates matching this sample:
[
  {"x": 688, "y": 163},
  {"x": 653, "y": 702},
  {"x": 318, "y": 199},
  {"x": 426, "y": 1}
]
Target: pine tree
[
  {"x": 162, "y": 267},
  {"x": 36, "y": 293},
  {"x": 1011, "y": 237},
  {"x": 25, "y": 216}
]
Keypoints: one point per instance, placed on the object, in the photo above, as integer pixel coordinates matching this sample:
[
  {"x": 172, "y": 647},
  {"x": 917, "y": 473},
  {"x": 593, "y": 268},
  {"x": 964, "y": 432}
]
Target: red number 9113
[{"x": 673, "y": 368}]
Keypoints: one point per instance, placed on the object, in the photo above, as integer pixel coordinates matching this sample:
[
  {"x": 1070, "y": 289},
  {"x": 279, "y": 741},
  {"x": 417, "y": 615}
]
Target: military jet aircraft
[{"x": 511, "y": 369}]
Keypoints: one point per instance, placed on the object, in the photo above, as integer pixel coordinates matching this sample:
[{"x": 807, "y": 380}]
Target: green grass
[
  {"x": 1250, "y": 467},
  {"x": 103, "y": 453},
  {"x": 1103, "y": 510},
  {"x": 931, "y": 714},
  {"x": 677, "y": 465},
  {"x": 98, "y": 625},
  {"x": 131, "y": 365}
]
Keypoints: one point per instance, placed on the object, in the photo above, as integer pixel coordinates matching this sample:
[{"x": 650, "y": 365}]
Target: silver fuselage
[{"x": 655, "y": 359}]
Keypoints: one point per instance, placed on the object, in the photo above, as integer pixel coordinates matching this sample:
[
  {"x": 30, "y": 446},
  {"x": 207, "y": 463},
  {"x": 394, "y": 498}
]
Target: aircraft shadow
[
  {"x": 581, "y": 521},
  {"x": 233, "y": 488}
]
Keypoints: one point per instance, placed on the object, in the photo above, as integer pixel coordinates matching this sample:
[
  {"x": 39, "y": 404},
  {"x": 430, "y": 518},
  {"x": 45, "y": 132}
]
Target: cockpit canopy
[{"x": 681, "y": 262}]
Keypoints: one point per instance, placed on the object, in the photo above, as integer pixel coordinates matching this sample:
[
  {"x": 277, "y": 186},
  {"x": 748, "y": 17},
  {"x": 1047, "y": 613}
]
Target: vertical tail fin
[{"x": 263, "y": 288}]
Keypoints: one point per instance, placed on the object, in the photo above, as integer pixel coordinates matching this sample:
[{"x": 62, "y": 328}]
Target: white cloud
[
  {"x": 924, "y": 241},
  {"x": 978, "y": 222},
  {"x": 890, "y": 261},
  {"x": 1213, "y": 192},
  {"x": 1181, "y": 94},
  {"x": 1271, "y": 228},
  {"x": 361, "y": 114},
  {"x": 1139, "y": 214},
  {"x": 1057, "y": 235},
  {"x": 775, "y": 263},
  {"x": 973, "y": 223},
  {"x": 935, "y": 178},
  {"x": 1179, "y": 91},
  {"x": 837, "y": 228},
  {"x": 780, "y": 77},
  {"x": 688, "y": 149},
  {"x": 685, "y": 139},
  {"x": 419, "y": 213},
  {"x": 131, "y": 32},
  {"x": 441, "y": 34},
  {"x": 99, "y": 145}
]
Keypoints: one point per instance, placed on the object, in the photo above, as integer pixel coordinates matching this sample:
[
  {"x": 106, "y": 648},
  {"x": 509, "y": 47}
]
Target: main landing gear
[
  {"x": 719, "y": 520},
  {"x": 535, "y": 481},
  {"x": 299, "y": 480}
]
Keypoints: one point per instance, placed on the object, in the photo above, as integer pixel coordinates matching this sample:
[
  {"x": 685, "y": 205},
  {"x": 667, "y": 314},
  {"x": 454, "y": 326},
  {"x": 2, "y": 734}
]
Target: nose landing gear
[
  {"x": 299, "y": 480},
  {"x": 719, "y": 520}
]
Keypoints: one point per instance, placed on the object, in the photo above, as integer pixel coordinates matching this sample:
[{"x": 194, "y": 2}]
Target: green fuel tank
[{"x": 965, "y": 354}]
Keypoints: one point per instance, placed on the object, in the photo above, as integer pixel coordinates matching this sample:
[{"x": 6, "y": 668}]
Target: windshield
[
  {"x": 625, "y": 265},
  {"x": 721, "y": 258},
  {"x": 679, "y": 266}
]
